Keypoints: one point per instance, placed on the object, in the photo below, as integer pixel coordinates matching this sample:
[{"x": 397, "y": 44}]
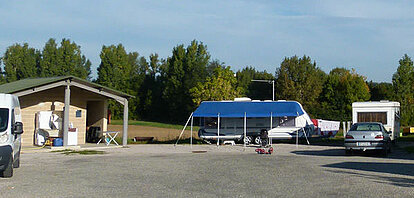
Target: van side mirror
[{"x": 18, "y": 128}]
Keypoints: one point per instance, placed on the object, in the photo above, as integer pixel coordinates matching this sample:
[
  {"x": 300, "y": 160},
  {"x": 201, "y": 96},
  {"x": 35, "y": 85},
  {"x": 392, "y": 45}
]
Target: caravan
[{"x": 385, "y": 112}]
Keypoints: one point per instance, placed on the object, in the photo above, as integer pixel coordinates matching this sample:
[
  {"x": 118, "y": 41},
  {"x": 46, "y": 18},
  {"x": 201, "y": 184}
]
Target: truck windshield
[
  {"x": 366, "y": 127},
  {"x": 4, "y": 119}
]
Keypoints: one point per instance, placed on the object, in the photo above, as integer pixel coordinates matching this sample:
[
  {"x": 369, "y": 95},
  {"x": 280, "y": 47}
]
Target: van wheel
[
  {"x": 8, "y": 172},
  {"x": 16, "y": 163}
]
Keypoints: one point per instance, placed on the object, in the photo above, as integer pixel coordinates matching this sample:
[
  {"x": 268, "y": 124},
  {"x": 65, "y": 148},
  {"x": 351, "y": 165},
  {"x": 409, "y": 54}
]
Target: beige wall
[{"x": 53, "y": 100}]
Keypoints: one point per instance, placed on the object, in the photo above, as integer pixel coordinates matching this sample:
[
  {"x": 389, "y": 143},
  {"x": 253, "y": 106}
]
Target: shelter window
[
  {"x": 372, "y": 117},
  {"x": 4, "y": 119},
  {"x": 287, "y": 121}
]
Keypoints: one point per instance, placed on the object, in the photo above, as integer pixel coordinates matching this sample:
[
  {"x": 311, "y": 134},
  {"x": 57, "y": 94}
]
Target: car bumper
[
  {"x": 5, "y": 152},
  {"x": 355, "y": 145}
]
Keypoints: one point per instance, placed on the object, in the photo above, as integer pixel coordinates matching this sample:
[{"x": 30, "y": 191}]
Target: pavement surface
[{"x": 227, "y": 171}]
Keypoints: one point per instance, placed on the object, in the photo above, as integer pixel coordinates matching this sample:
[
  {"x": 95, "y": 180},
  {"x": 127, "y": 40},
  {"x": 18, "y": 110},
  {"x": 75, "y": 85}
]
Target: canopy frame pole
[
  {"x": 271, "y": 127},
  {"x": 218, "y": 129},
  {"x": 304, "y": 132},
  {"x": 184, "y": 128},
  {"x": 244, "y": 130},
  {"x": 191, "y": 136},
  {"x": 297, "y": 134}
]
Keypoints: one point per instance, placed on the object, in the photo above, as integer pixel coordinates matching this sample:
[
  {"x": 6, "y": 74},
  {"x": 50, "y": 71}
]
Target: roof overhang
[{"x": 72, "y": 81}]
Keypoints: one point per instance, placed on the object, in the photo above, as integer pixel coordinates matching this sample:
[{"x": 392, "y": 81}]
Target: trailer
[
  {"x": 384, "y": 111},
  {"x": 326, "y": 128},
  {"x": 243, "y": 120}
]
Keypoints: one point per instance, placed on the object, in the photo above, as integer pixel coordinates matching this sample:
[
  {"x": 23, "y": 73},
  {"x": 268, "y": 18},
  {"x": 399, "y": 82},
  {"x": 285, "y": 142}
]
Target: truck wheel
[
  {"x": 8, "y": 172},
  {"x": 16, "y": 163}
]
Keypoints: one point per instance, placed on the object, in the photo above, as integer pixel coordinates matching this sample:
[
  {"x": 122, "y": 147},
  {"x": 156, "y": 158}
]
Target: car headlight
[{"x": 4, "y": 137}]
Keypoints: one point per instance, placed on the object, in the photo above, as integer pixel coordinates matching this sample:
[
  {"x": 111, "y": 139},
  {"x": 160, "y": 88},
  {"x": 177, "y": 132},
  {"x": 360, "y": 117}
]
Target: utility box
[
  {"x": 384, "y": 111},
  {"x": 73, "y": 136}
]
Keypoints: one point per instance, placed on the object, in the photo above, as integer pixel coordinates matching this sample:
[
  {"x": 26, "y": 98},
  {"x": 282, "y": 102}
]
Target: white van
[{"x": 11, "y": 128}]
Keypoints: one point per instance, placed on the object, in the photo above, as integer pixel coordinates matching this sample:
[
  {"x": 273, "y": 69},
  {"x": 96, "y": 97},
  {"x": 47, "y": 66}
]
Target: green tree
[
  {"x": 301, "y": 80},
  {"x": 119, "y": 70},
  {"x": 72, "y": 61},
  {"x": 185, "y": 68},
  {"x": 221, "y": 86},
  {"x": 341, "y": 89},
  {"x": 2, "y": 80},
  {"x": 255, "y": 90},
  {"x": 402, "y": 82},
  {"x": 49, "y": 64},
  {"x": 63, "y": 60},
  {"x": 151, "y": 106},
  {"x": 21, "y": 61},
  {"x": 381, "y": 91}
]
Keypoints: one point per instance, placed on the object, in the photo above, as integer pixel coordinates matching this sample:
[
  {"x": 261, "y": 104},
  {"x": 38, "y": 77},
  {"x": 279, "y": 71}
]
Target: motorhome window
[
  {"x": 4, "y": 119},
  {"x": 372, "y": 117},
  {"x": 210, "y": 123},
  {"x": 287, "y": 121}
]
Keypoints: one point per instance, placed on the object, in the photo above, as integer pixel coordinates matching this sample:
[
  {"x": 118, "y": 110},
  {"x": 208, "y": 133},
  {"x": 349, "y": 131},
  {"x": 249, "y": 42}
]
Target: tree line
[{"x": 169, "y": 89}]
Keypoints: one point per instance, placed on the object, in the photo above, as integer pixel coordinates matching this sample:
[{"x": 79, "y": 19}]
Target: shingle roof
[{"x": 30, "y": 83}]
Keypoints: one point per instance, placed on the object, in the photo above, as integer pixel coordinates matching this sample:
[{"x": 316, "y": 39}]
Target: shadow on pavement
[
  {"x": 380, "y": 167},
  {"x": 389, "y": 180},
  {"x": 326, "y": 152},
  {"x": 313, "y": 142},
  {"x": 340, "y": 152}
]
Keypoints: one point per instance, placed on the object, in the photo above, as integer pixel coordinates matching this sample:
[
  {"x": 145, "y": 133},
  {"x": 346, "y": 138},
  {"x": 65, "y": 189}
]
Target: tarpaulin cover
[{"x": 252, "y": 109}]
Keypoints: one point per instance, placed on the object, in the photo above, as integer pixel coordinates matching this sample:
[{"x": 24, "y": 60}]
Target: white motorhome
[
  {"x": 384, "y": 111},
  {"x": 11, "y": 128}
]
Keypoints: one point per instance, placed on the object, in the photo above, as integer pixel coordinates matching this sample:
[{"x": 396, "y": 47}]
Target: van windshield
[{"x": 4, "y": 119}]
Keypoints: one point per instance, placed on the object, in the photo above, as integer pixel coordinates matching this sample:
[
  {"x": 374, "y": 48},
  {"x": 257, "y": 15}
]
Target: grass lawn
[
  {"x": 153, "y": 124},
  {"x": 182, "y": 141},
  {"x": 81, "y": 152}
]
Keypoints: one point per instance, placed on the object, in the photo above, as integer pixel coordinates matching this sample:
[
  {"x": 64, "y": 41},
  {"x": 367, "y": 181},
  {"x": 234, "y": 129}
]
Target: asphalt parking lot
[{"x": 227, "y": 171}]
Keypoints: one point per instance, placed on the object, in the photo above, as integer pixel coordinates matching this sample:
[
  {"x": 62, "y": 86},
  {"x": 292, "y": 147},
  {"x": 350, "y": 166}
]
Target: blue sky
[{"x": 369, "y": 36}]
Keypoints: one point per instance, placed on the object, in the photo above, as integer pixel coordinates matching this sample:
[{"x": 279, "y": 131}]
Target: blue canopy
[{"x": 252, "y": 109}]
